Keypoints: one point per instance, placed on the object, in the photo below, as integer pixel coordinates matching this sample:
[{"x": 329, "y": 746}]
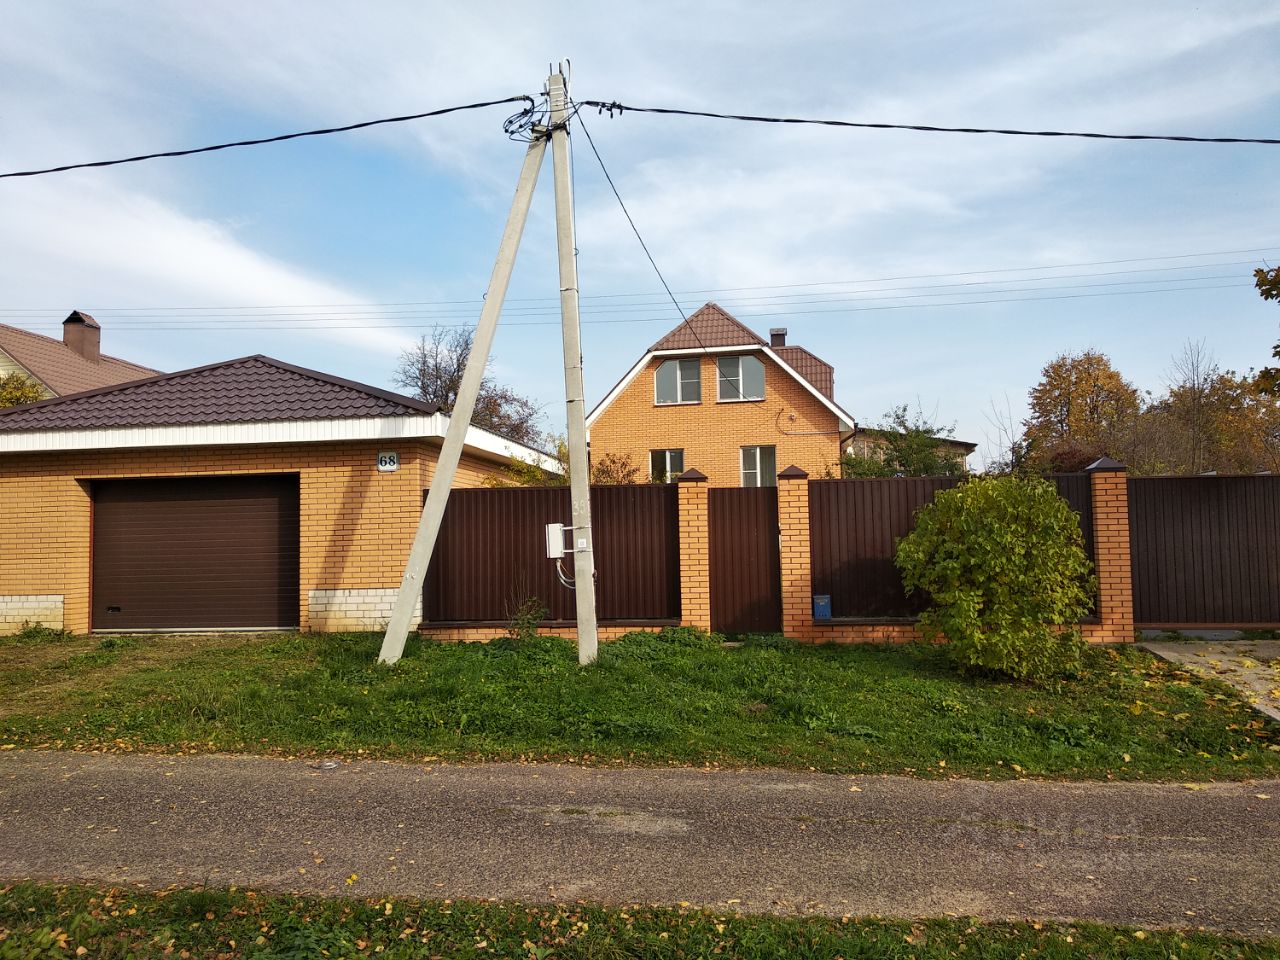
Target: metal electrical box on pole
[{"x": 584, "y": 567}]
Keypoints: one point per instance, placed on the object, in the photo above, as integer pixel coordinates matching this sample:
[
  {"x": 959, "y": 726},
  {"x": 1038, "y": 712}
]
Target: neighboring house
[
  {"x": 72, "y": 365},
  {"x": 868, "y": 442},
  {"x": 245, "y": 494},
  {"x": 713, "y": 395}
]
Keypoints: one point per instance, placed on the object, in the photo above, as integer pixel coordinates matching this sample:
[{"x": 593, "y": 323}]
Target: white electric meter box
[{"x": 555, "y": 541}]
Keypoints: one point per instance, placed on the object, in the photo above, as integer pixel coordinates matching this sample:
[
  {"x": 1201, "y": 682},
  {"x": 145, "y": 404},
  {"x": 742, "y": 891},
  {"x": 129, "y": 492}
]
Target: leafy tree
[
  {"x": 1268, "y": 284},
  {"x": 910, "y": 445},
  {"x": 17, "y": 388},
  {"x": 432, "y": 369},
  {"x": 611, "y": 469},
  {"x": 1081, "y": 407},
  {"x": 1002, "y": 561}
]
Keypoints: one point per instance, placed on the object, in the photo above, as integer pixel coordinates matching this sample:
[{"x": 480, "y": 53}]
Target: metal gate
[{"x": 745, "y": 573}]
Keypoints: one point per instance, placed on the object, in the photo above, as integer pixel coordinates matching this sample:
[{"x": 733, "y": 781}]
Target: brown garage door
[{"x": 195, "y": 553}]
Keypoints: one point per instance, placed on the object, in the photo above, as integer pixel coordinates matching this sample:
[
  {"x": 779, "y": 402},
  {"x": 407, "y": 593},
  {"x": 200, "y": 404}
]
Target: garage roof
[{"x": 253, "y": 389}]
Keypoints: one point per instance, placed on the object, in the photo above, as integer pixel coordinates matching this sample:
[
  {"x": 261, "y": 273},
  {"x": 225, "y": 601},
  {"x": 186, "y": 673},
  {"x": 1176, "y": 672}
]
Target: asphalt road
[{"x": 757, "y": 841}]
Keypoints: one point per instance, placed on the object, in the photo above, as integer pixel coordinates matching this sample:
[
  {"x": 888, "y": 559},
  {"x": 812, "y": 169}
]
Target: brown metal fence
[
  {"x": 745, "y": 566},
  {"x": 854, "y": 526},
  {"x": 491, "y": 555},
  {"x": 1205, "y": 551}
]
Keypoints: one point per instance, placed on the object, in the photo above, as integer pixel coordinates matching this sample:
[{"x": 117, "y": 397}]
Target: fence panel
[
  {"x": 1077, "y": 490},
  {"x": 1205, "y": 551},
  {"x": 491, "y": 555},
  {"x": 854, "y": 526},
  {"x": 744, "y": 561}
]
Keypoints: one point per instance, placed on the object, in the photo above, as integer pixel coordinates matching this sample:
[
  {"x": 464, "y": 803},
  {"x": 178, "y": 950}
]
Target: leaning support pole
[
  {"x": 584, "y": 568},
  {"x": 424, "y": 540}
]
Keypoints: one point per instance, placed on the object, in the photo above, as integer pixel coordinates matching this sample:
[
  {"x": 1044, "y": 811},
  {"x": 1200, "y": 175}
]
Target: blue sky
[{"x": 733, "y": 212}]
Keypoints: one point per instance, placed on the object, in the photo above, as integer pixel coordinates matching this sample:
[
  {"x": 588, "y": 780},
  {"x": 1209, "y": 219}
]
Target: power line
[
  {"x": 248, "y": 320},
  {"x": 636, "y": 230},
  {"x": 614, "y": 107},
  {"x": 326, "y": 325},
  {"x": 277, "y": 139},
  {"x": 26, "y": 311}
]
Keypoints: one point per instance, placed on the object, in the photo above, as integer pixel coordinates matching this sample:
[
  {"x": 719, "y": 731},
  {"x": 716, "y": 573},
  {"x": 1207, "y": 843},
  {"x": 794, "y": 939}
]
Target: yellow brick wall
[
  {"x": 711, "y": 433},
  {"x": 356, "y": 523}
]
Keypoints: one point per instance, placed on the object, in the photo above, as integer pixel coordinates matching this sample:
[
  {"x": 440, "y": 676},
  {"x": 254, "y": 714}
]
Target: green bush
[{"x": 1002, "y": 561}]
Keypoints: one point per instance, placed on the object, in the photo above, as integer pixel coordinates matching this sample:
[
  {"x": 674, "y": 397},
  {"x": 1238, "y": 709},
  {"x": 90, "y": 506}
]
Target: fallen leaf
[
  {"x": 1263, "y": 796},
  {"x": 855, "y": 789},
  {"x": 352, "y": 879}
]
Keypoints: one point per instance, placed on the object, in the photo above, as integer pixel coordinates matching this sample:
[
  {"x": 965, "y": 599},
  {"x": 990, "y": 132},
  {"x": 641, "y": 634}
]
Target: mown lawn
[
  {"x": 67, "y": 921},
  {"x": 679, "y": 698}
]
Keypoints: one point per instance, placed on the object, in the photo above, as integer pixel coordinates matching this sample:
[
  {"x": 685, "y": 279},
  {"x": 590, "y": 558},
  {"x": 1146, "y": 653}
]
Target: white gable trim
[
  {"x": 843, "y": 420},
  {"x": 421, "y": 426}
]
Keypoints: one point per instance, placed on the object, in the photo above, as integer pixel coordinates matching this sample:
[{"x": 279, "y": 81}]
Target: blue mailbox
[{"x": 821, "y": 606}]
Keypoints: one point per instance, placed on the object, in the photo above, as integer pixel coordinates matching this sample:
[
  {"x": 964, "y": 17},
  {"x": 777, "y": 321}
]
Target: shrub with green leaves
[{"x": 1002, "y": 561}]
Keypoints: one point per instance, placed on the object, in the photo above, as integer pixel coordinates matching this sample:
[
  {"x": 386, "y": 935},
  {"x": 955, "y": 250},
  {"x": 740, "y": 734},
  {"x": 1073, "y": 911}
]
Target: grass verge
[
  {"x": 40, "y": 921},
  {"x": 672, "y": 698}
]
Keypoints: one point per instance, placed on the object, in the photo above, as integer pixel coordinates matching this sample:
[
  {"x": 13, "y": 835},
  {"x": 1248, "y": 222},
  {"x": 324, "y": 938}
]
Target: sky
[{"x": 938, "y": 270}]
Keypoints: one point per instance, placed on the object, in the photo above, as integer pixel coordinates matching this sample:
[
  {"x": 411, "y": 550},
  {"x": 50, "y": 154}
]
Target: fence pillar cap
[
  {"x": 1105, "y": 465},
  {"x": 692, "y": 475},
  {"x": 793, "y": 473}
]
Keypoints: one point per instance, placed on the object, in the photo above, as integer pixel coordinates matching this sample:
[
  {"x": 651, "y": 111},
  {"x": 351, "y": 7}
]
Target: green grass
[
  {"x": 39, "y": 922},
  {"x": 674, "y": 698}
]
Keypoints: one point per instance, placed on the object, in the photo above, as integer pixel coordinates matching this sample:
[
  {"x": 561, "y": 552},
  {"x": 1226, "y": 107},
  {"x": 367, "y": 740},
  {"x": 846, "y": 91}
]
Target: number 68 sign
[{"x": 388, "y": 461}]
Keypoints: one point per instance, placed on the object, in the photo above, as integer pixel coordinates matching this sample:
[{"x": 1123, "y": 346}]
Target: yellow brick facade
[
  {"x": 711, "y": 433},
  {"x": 356, "y": 524}
]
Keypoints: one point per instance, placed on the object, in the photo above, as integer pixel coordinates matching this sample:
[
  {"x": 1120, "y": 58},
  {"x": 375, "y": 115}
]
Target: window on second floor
[
  {"x": 740, "y": 378},
  {"x": 665, "y": 465},
  {"x": 678, "y": 381},
  {"x": 759, "y": 467}
]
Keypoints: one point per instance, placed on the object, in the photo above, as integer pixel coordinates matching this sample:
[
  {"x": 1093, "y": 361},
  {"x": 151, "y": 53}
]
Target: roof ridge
[{"x": 378, "y": 392}]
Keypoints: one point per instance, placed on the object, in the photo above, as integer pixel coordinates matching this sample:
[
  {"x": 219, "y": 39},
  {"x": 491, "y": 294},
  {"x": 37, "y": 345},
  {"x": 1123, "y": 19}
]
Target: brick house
[
  {"x": 245, "y": 494},
  {"x": 72, "y": 365},
  {"x": 712, "y": 394}
]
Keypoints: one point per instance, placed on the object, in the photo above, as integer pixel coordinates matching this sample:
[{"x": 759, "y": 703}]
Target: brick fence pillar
[
  {"x": 1109, "y": 484},
  {"x": 695, "y": 551},
  {"x": 794, "y": 553}
]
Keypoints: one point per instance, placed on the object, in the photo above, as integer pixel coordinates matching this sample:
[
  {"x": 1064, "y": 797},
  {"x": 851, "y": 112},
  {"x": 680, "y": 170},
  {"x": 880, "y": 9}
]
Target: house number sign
[{"x": 388, "y": 461}]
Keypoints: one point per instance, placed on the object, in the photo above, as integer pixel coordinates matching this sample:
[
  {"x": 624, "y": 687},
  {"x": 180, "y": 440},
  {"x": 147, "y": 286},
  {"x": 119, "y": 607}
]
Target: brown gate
[{"x": 746, "y": 576}]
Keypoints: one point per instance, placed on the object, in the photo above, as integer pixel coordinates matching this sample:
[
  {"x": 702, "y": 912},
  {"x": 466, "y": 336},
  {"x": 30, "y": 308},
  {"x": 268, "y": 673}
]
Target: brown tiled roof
[
  {"x": 248, "y": 390},
  {"x": 818, "y": 372},
  {"x": 60, "y": 368},
  {"x": 709, "y": 326}
]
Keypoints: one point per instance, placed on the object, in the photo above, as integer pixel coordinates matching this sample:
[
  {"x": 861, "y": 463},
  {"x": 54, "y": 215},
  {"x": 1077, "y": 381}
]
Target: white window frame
[
  {"x": 720, "y": 397},
  {"x": 680, "y": 401},
  {"x": 669, "y": 474},
  {"x": 753, "y": 452}
]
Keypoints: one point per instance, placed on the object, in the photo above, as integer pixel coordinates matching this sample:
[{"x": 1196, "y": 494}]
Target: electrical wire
[
  {"x": 614, "y": 107},
  {"x": 331, "y": 324},
  {"x": 282, "y": 137},
  {"x": 653, "y": 263},
  {"x": 713, "y": 291}
]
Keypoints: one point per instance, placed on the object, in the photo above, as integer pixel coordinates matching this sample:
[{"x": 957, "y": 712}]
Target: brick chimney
[
  {"x": 777, "y": 336},
  {"x": 82, "y": 334}
]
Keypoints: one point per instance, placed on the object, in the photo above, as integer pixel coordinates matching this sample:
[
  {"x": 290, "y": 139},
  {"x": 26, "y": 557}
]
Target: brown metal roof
[
  {"x": 818, "y": 372},
  {"x": 60, "y": 368},
  {"x": 709, "y": 326},
  {"x": 248, "y": 390}
]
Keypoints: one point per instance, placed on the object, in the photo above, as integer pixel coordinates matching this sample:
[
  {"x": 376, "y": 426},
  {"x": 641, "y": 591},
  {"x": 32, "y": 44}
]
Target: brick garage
[{"x": 246, "y": 417}]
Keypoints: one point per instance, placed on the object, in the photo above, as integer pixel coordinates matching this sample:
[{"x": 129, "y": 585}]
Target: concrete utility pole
[
  {"x": 584, "y": 566},
  {"x": 575, "y": 402},
  {"x": 424, "y": 540}
]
